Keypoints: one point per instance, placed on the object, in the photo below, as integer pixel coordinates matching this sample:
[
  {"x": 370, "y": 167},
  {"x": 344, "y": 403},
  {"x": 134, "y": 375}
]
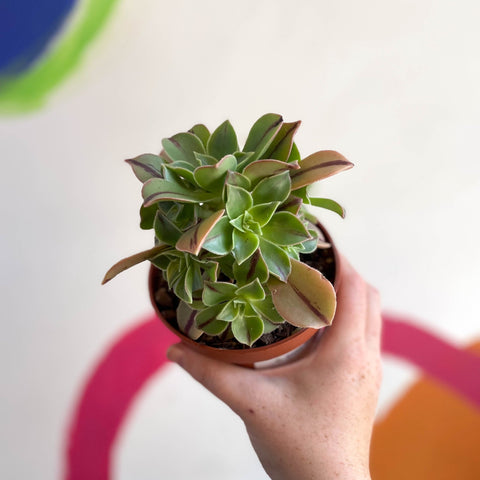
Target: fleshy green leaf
[
  {"x": 238, "y": 201},
  {"x": 219, "y": 240},
  {"x": 229, "y": 312},
  {"x": 294, "y": 154},
  {"x": 158, "y": 190},
  {"x": 254, "y": 267},
  {"x": 261, "y": 134},
  {"x": 261, "y": 169},
  {"x": 272, "y": 189},
  {"x": 201, "y": 131},
  {"x": 267, "y": 311},
  {"x": 329, "y": 205},
  {"x": 281, "y": 145},
  {"x": 318, "y": 166},
  {"x": 243, "y": 158},
  {"x": 146, "y": 166},
  {"x": 238, "y": 222},
  {"x": 278, "y": 262},
  {"x": 181, "y": 147},
  {"x": 192, "y": 240},
  {"x": 238, "y": 180},
  {"x": 133, "y": 260},
  {"x": 217, "y": 292},
  {"x": 147, "y": 216},
  {"x": 223, "y": 141},
  {"x": 183, "y": 170},
  {"x": 212, "y": 177},
  {"x": 205, "y": 159},
  {"x": 206, "y": 320},
  {"x": 263, "y": 212},
  {"x": 165, "y": 230},
  {"x": 285, "y": 229},
  {"x": 186, "y": 321},
  {"x": 311, "y": 245},
  {"x": 307, "y": 299},
  {"x": 247, "y": 329},
  {"x": 252, "y": 291},
  {"x": 244, "y": 244},
  {"x": 292, "y": 204}
]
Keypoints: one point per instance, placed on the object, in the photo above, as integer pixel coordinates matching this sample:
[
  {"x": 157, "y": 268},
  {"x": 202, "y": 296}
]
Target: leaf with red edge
[
  {"x": 281, "y": 145},
  {"x": 318, "y": 166},
  {"x": 133, "y": 260},
  {"x": 192, "y": 240},
  {"x": 186, "y": 321},
  {"x": 260, "y": 169},
  {"x": 147, "y": 166},
  {"x": 261, "y": 134},
  {"x": 307, "y": 299}
]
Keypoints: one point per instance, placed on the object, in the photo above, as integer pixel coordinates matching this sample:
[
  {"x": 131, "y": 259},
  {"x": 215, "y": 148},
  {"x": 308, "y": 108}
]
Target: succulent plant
[{"x": 231, "y": 225}]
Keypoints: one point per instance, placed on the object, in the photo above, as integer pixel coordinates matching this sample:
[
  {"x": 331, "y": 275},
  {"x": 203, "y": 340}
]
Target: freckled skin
[{"x": 311, "y": 419}]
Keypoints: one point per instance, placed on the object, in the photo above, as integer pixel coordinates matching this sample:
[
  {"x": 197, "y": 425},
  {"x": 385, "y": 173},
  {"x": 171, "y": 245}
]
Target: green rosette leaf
[
  {"x": 263, "y": 213},
  {"x": 285, "y": 228},
  {"x": 146, "y": 166},
  {"x": 165, "y": 230},
  {"x": 212, "y": 177},
  {"x": 186, "y": 321},
  {"x": 247, "y": 329},
  {"x": 261, "y": 135},
  {"x": 206, "y": 320},
  {"x": 244, "y": 245},
  {"x": 281, "y": 145},
  {"x": 238, "y": 201},
  {"x": 128, "y": 262},
  {"x": 253, "y": 267},
  {"x": 201, "y": 132},
  {"x": 329, "y": 204},
  {"x": 147, "y": 216},
  {"x": 223, "y": 141},
  {"x": 158, "y": 190},
  {"x": 267, "y": 311},
  {"x": 278, "y": 262},
  {"x": 182, "y": 147},
  {"x": 229, "y": 312},
  {"x": 253, "y": 291},
  {"x": 272, "y": 189},
  {"x": 217, "y": 292},
  {"x": 307, "y": 299},
  {"x": 220, "y": 238},
  {"x": 261, "y": 169},
  {"x": 193, "y": 239},
  {"x": 318, "y": 166}
]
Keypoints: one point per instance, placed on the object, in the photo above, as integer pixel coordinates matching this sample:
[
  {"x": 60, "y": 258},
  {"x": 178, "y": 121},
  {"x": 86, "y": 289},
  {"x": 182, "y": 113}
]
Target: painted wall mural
[
  {"x": 432, "y": 432},
  {"x": 42, "y": 44}
]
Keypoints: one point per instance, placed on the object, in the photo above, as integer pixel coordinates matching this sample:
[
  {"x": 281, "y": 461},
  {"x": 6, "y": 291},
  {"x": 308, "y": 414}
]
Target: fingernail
[{"x": 174, "y": 353}]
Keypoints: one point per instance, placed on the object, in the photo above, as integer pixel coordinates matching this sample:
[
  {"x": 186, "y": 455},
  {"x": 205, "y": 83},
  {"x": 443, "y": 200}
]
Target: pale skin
[{"x": 311, "y": 419}]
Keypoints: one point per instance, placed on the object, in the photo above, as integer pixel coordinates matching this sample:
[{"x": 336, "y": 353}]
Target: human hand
[{"x": 312, "y": 418}]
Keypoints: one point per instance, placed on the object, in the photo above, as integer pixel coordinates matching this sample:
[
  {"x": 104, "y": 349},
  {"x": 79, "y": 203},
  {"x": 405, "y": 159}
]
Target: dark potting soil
[{"x": 322, "y": 259}]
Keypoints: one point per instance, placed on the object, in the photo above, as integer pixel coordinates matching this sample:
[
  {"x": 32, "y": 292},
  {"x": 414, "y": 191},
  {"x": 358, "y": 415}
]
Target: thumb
[{"x": 226, "y": 381}]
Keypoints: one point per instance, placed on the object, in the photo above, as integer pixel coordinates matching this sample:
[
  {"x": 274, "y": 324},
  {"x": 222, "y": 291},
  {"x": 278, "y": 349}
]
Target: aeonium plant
[{"x": 231, "y": 228}]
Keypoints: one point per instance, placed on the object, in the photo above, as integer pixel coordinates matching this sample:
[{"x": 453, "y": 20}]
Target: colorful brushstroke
[
  {"x": 453, "y": 373},
  {"x": 41, "y": 45}
]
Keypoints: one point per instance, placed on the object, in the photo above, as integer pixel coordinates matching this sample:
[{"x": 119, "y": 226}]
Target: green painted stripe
[{"x": 29, "y": 91}]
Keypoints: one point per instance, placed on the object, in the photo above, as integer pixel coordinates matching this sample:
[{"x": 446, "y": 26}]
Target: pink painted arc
[
  {"x": 140, "y": 352},
  {"x": 108, "y": 394},
  {"x": 455, "y": 368}
]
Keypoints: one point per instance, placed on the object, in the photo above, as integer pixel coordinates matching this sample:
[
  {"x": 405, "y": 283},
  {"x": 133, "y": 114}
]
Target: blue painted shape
[{"x": 26, "y": 29}]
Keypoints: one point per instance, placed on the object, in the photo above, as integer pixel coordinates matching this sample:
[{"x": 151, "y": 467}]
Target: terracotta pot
[{"x": 249, "y": 356}]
